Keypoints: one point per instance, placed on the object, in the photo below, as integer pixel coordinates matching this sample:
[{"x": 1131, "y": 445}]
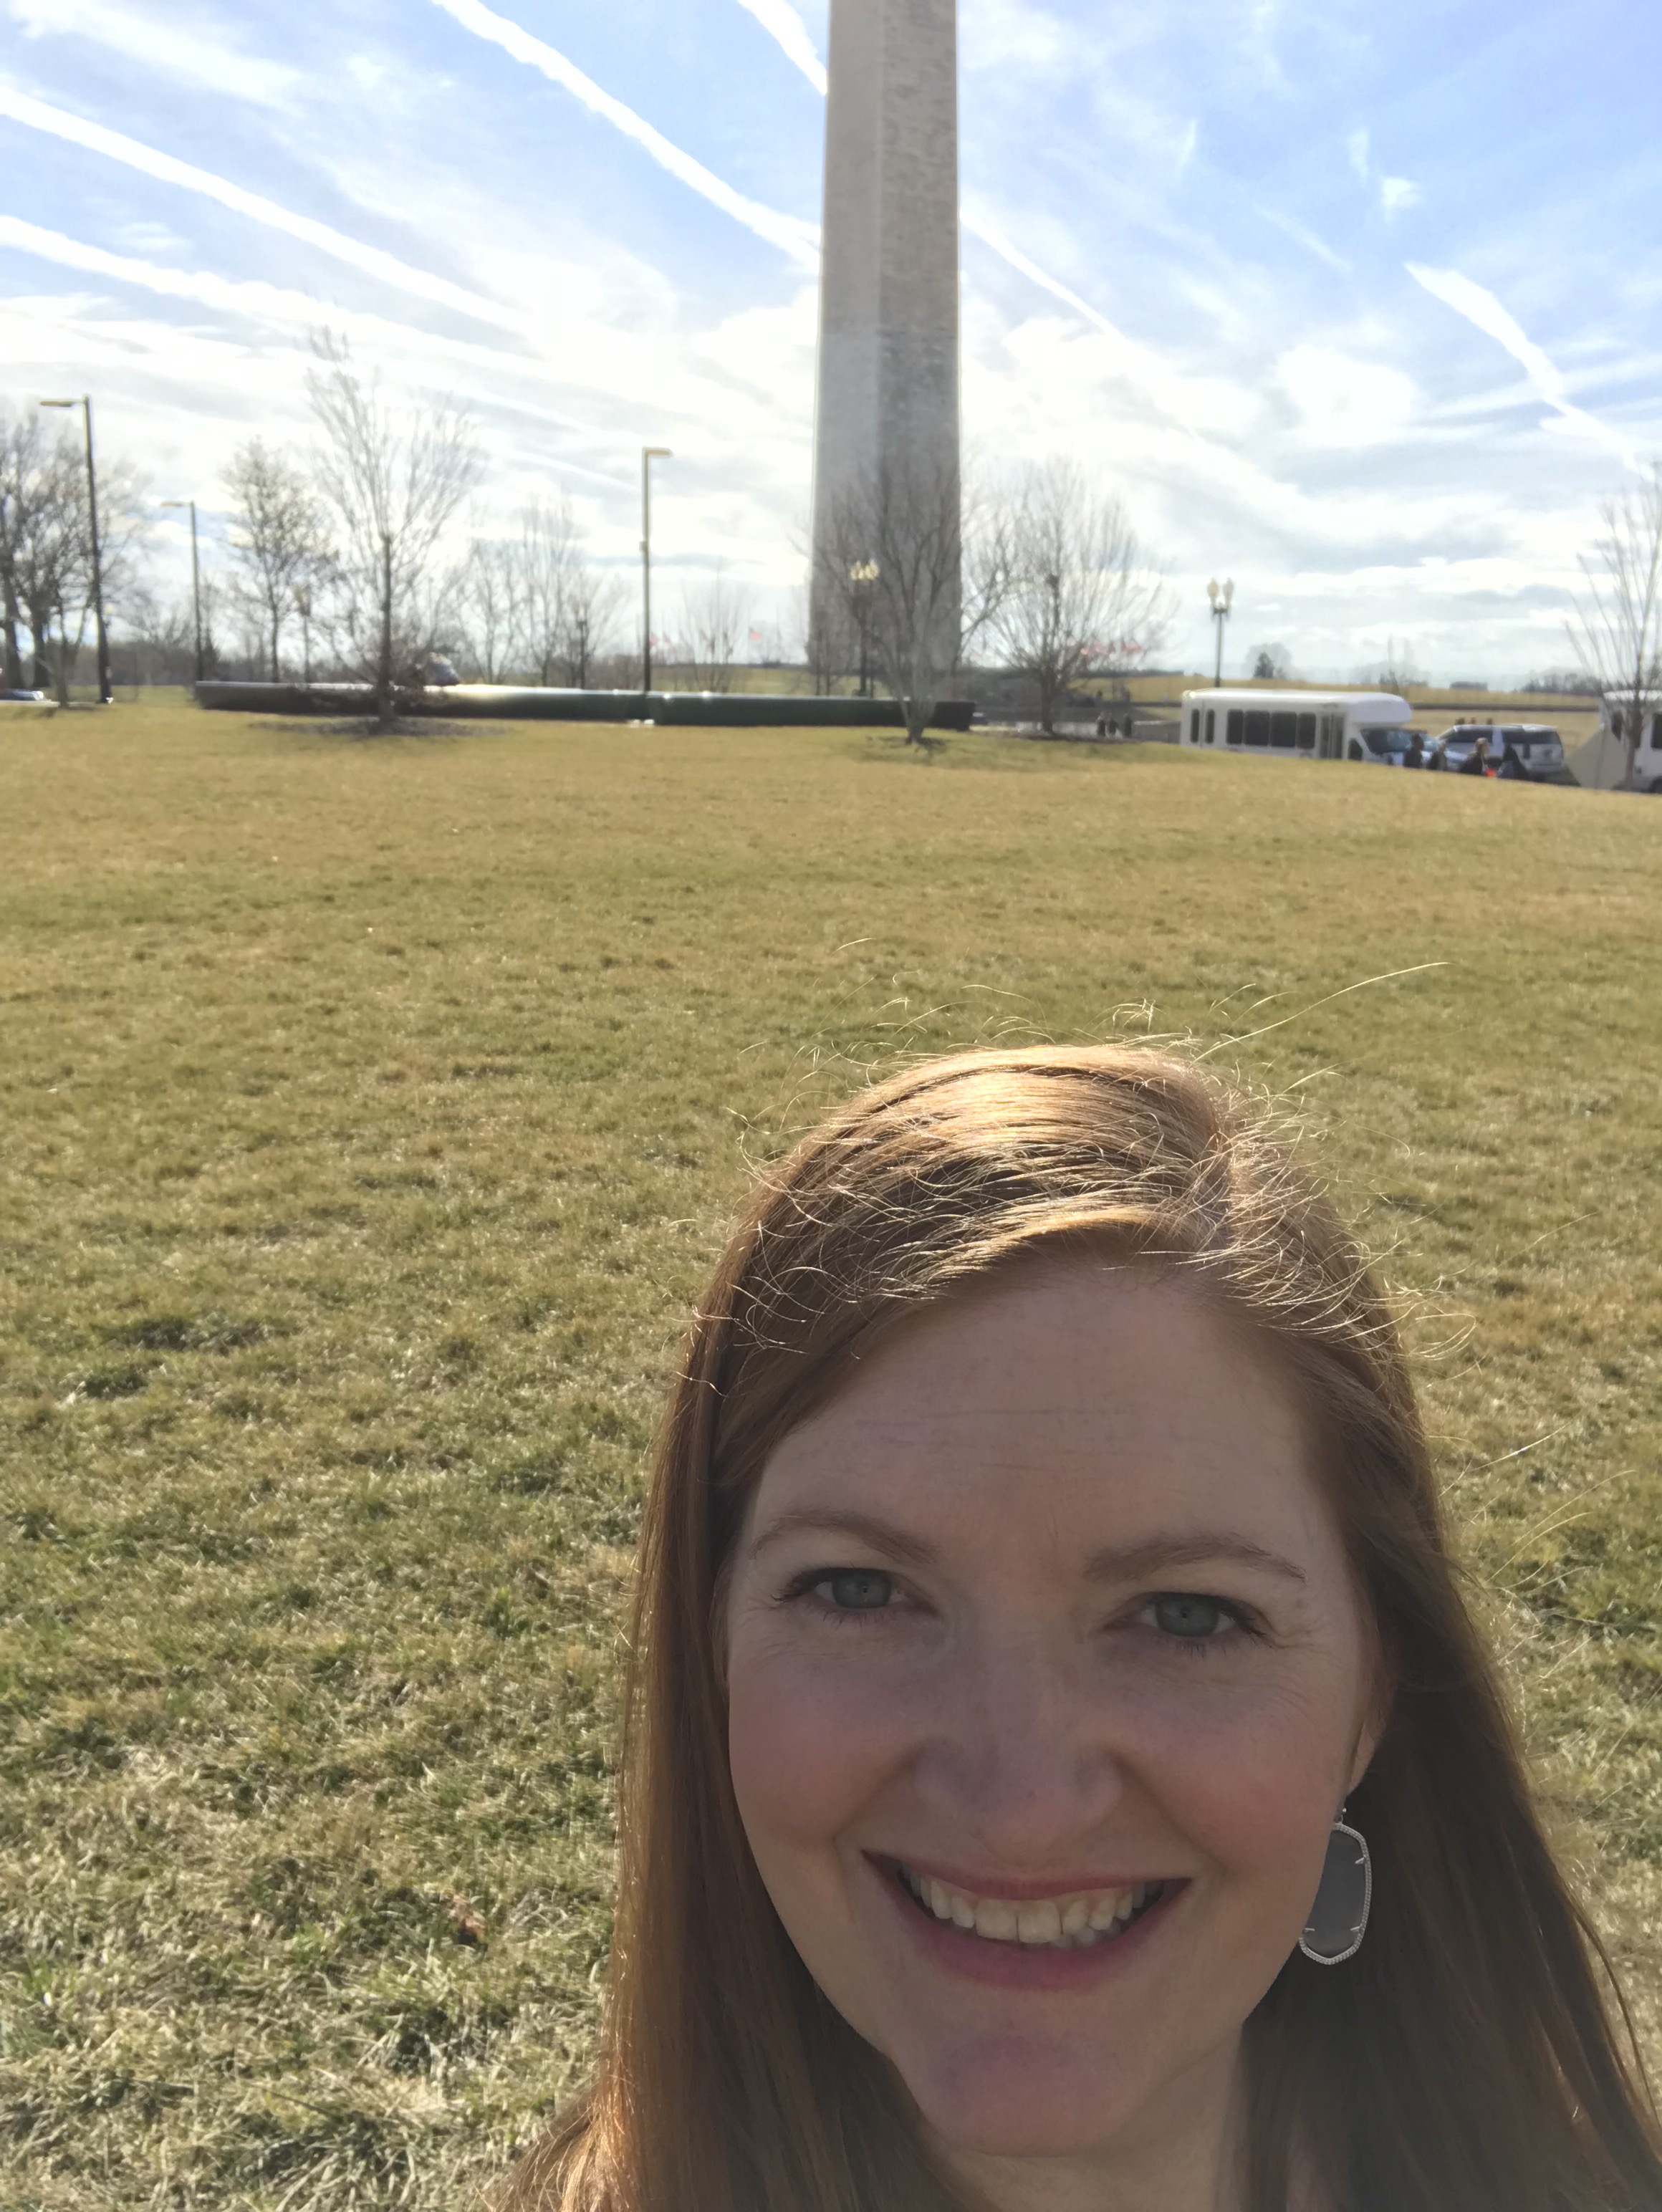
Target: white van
[
  {"x": 1356, "y": 726},
  {"x": 1648, "y": 754}
]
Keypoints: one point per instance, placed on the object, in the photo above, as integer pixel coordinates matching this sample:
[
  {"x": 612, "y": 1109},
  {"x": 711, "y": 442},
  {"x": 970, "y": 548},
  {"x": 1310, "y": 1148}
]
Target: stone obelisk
[{"x": 889, "y": 288}]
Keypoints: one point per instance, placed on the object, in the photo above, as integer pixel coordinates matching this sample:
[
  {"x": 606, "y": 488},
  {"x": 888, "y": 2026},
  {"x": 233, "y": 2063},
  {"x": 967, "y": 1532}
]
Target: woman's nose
[{"x": 1023, "y": 1762}]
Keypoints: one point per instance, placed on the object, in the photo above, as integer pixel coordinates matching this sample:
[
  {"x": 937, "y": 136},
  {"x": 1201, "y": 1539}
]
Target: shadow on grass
[{"x": 359, "y": 729}]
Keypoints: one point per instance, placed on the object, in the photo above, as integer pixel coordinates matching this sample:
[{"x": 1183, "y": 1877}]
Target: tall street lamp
[
  {"x": 196, "y": 579},
  {"x": 104, "y": 693},
  {"x": 303, "y": 605},
  {"x": 1220, "y": 596},
  {"x": 861, "y": 577},
  {"x": 648, "y": 455}
]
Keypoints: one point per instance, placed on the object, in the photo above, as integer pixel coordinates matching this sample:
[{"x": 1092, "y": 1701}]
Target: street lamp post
[
  {"x": 196, "y": 579},
  {"x": 648, "y": 455},
  {"x": 1221, "y": 596},
  {"x": 104, "y": 693},
  {"x": 861, "y": 577},
  {"x": 303, "y": 605}
]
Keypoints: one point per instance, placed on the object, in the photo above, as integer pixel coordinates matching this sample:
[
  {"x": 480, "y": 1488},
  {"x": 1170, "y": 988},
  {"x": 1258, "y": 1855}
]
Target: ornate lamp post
[
  {"x": 861, "y": 577},
  {"x": 1220, "y": 595}
]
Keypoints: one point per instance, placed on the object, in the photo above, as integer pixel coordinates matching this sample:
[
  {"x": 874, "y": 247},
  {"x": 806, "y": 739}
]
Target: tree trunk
[
  {"x": 385, "y": 698},
  {"x": 14, "y": 658}
]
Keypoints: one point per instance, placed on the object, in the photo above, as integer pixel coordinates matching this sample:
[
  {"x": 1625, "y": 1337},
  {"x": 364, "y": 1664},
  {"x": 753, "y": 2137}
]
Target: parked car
[
  {"x": 440, "y": 674},
  {"x": 1538, "y": 744}
]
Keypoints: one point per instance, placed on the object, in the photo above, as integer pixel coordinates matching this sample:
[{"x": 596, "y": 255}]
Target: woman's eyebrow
[
  {"x": 865, "y": 1528},
  {"x": 1131, "y": 1562}
]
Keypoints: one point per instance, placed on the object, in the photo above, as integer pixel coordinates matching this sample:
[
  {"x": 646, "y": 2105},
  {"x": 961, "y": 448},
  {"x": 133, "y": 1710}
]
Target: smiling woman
[{"x": 1061, "y": 1771}]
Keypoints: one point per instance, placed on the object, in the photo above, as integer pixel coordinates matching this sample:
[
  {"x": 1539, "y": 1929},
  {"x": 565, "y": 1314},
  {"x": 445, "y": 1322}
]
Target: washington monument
[{"x": 888, "y": 317}]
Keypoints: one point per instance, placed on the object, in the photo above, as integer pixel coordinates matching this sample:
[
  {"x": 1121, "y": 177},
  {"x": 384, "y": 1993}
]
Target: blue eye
[
  {"x": 855, "y": 1590},
  {"x": 1179, "y": 1612}
]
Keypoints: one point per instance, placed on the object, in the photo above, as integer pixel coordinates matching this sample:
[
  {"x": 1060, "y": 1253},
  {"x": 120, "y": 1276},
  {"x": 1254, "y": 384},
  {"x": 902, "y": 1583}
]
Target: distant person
[
  {"x": 1477, "y": 761},
  {"x": 1103, "y": 726},
  {"x": 1512, "y": 768},
  {"x": 1060, "y": 1767},
  {"x": 1415, "y": 755}
]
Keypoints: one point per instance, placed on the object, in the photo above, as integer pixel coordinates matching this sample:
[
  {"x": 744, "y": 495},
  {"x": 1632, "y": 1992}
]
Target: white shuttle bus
[{"x": 1352, "y": 726}]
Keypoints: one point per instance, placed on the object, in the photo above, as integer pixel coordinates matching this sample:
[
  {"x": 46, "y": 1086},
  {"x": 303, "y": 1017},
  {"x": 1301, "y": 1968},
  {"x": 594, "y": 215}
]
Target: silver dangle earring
[{"x": 1338, "y": 1919}]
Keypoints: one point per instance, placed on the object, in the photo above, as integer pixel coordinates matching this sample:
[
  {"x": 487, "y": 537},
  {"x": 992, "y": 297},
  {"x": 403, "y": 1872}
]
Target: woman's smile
[{"x": 1034, "y": 1936}]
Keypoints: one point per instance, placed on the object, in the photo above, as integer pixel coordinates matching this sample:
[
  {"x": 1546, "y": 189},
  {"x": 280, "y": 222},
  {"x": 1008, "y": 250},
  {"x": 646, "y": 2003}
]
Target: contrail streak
[
  {"x": 780, "y": 19},
  {"x": 38, "y": 116},
  {"x": 799, "y": 239},
  {"x": 1481, "y": 307}
]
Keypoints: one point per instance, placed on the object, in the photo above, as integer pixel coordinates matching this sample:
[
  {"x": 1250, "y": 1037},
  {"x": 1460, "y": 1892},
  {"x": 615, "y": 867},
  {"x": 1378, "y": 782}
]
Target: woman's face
[{"x": 1048, "y": 1678}]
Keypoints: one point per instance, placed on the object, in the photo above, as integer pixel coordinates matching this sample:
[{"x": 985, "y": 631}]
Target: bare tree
[
  {"x": 819, "y": 623},
  {"x": 160, "y": 639},
  {"x": 545, "y": 559},
  {"x": 933, "y": 559},
  {"x": 593, "y": 607},
  {"x": 1080, "y": 602},
  {"x": 716, "y": 620},
  {"x": 1617, "y": 625},
  {"x": 1394, "y": 670},
  {"x": 394, "y": 484},
  {"x": 281, "y": 537},
  {"x": 485, "y": 595},
  {"x": 568, "y": 608},
  {"x": 46, "y": 547}
]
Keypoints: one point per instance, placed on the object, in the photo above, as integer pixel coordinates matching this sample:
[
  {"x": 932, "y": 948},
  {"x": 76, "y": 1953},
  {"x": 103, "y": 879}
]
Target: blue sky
[{"x": 1361, "y": 305}]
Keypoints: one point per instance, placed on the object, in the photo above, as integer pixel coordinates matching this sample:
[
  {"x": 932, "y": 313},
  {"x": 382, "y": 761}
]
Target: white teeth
[
  {"x": 1071, "y": 1924},
  {"x": 1040, "y": 1923}
]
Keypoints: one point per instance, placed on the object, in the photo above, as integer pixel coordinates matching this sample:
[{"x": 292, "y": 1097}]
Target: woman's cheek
[
  {"x": 1251, "y": 1778},
  {"x": 809, "y": 1746}
]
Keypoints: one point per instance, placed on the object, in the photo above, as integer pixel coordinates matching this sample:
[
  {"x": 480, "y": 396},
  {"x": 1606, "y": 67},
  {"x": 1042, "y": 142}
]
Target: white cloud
[
  {"x": 1342, "y": 402},
  {"x": 1398, "y": 193},
  {"x": 799, "y": 239},
  {"x": 185, "y": 47},
  {"x": 1357, "y": 147},
  {"x": 165, "y": 169}
]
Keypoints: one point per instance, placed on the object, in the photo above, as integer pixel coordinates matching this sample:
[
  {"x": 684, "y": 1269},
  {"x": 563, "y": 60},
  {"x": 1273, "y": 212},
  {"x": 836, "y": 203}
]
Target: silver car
[{"x": 1537, "y": 746}]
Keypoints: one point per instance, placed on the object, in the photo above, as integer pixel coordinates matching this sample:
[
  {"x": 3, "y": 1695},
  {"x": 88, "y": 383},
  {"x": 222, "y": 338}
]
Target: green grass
[{"x": 371, "y": 1111}]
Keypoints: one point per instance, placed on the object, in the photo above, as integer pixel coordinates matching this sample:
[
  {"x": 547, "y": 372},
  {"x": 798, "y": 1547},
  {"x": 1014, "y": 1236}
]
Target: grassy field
[{"x": 371, "y": 1110}]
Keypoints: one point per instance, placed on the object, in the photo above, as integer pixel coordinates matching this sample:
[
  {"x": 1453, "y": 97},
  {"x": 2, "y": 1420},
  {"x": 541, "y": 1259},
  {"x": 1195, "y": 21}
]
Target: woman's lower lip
[{"x": 1022, "y": 1967}]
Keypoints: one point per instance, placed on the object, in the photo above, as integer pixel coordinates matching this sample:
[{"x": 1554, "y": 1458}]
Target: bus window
[
  {"x": 1212, "y": 726},
  {"x": 1306, "y": 732},
  {"x": 1283, "y": 731},
  {"x": 1194, "y": 725},
  {"x": 1257, "y": 726},
  {"x": 1332, "y": 736},
  {"x": 1656, "y": 734},
  {"x": 1236, "y": 721}
]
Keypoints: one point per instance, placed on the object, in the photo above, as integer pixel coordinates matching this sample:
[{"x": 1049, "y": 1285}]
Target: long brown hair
[{"x": 1467, "y": 2060}]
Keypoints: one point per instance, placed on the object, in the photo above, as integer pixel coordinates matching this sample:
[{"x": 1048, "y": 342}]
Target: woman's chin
[{"x": 1017, "y": 2101}]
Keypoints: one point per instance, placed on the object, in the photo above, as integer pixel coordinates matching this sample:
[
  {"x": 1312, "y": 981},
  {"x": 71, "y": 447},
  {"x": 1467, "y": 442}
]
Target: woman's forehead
[{"x": 1074, "y": 1393}]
